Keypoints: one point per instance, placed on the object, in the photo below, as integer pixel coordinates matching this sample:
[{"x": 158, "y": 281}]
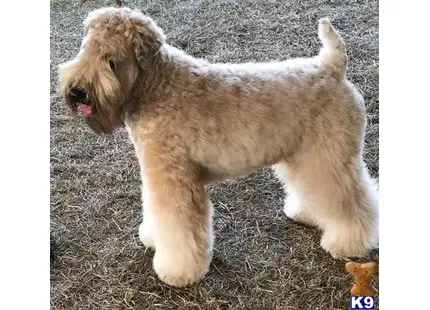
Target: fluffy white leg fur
[
  {"x": 357, "y": 234},
  {"x": 346, "y": 211},
  {"x": 180, "y": 233},
  {"x": 183, "y": 249},
  {"x": 295, "y": 210},
  {"x": 349, "y": 238},
  {"x": 146, "y": 227},
  {"x": 294, "y": 206}
]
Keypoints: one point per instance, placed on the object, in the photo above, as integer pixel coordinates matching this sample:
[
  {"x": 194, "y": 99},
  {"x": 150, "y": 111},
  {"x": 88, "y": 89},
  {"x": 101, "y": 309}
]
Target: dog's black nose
[{"x": 77, "y": 94}]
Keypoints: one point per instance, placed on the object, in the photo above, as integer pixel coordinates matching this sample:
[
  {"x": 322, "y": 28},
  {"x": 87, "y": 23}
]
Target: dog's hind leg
[
  {"x": 350, "y": 219},
  {"x": 340, "y": 198},
  {"x": 181, "y": 224}
]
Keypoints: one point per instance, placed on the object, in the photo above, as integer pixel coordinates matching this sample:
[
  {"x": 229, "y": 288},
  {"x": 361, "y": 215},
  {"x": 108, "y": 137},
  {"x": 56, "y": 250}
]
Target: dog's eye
[{"x": 112, "y": 64}]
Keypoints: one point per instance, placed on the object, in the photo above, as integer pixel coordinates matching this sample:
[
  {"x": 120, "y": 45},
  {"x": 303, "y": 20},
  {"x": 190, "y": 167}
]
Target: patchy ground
[{"x": 261, "y": 259}]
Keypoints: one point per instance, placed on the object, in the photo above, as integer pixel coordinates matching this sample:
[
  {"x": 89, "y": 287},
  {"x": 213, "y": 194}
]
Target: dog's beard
[
  {"x": 107, "y": 112},
  {"x": 102, "y": 109},
  {"x": 103, "y": 122}
]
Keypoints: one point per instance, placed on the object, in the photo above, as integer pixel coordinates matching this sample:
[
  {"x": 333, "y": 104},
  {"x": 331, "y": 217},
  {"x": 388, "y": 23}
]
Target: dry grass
[{"x": 261, "y": 259}]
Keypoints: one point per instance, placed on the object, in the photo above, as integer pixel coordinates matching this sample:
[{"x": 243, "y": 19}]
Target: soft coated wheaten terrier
[{"x": 193, "y": 122}]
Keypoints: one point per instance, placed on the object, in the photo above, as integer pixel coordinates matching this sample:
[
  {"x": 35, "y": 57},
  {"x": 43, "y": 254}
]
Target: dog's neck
[{"x": 161, "y": 77}]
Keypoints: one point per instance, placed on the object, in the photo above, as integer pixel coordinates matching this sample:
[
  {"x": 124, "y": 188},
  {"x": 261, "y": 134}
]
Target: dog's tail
[{"x": 333, "y": 52}]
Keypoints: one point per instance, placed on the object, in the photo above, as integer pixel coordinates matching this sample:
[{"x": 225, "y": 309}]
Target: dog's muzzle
[{"x": 79, "y": 96}]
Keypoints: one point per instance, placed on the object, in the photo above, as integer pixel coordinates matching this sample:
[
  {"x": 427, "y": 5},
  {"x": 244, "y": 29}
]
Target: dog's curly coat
[{"x": 193, "y": 122}]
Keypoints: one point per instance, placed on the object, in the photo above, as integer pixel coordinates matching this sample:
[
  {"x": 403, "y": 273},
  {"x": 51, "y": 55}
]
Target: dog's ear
[{"x": 148, "y": 41}]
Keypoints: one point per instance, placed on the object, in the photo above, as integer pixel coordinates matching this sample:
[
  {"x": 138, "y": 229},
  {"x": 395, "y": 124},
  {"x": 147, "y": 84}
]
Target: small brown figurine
[{"x": 362, "y": 273}]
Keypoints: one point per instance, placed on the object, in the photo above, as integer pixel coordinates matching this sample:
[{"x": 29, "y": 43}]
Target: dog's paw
[
  {"x": 333, "y": 247},
  {"x": 344, "y": 245},
  {"x": 145, "y": 235},
  {"x": 180, "y": 269}
]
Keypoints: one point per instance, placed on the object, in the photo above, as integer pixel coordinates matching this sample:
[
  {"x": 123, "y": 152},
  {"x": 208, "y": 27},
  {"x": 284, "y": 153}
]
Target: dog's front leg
[
  {"x": 181, "y": 225},
  {"x": 146, "y": 227}
]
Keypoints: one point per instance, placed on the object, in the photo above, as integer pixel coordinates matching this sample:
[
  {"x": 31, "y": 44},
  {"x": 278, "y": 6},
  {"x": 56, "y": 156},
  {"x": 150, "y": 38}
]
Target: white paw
[
  {"x": 145, "y": 234},
  {"x": 334, "y": 247},
  {"x": 348, "y": 242},
  {"x": 180, "y": 268}
]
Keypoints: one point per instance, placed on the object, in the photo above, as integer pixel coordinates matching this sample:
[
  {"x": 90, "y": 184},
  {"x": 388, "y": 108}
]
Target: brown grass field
[{"x": 262, "y": 260}]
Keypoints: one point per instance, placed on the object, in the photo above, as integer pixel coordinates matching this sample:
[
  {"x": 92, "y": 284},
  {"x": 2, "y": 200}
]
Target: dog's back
[{"x": 252, "y": 115}]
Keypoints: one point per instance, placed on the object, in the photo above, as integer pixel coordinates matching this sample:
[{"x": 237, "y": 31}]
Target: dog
[{"x": 193, "y": 123}]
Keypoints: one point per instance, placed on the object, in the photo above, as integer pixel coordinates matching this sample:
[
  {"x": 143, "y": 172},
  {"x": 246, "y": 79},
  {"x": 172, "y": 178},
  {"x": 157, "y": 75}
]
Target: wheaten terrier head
[{"x": 117, "y": 46}]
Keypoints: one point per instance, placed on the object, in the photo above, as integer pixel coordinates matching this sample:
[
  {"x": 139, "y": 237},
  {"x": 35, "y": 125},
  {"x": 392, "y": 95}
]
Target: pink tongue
[{"x": 86, "y": 109}]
